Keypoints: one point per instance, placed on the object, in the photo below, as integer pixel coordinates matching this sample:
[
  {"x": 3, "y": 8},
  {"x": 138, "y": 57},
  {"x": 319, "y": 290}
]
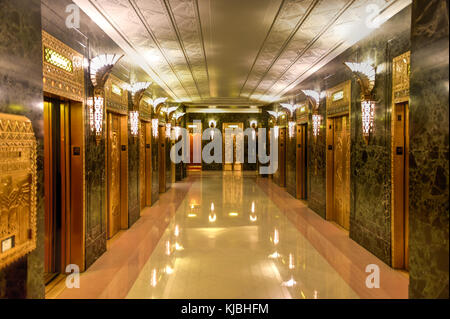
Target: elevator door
[
  {"x": 400, "y": 185},
  {"x": 301, "y": 160},
  {"x": 114, "y": 183},
  {"x": 234, "y": 144},
  {"x": 338, "y": 171},
  {"x": 63, "y": 174},
  {"x": 282, "y": 157},
  {"x": 162, "y": 159},
  {"x": 145, "y": 168}
]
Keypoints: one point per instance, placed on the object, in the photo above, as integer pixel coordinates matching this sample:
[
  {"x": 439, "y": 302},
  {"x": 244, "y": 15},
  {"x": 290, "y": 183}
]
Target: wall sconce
[
  {"x": 275, "y": 115},
  {"x": 90, "y": 104},
  {"x": 254, "y": 126},
  {"x": 156, "y": 102},
  {"x": 365, "y": 75},
  {"x": 274, "y": 120},
  {"x": 95, "y": 105},
  {"x": 138, "y": 89},
  {"x": 101, "y": 67},
  {"x": 317, "y": 122},
  {"x": 177, "y": 129},
  {"x": 212, "y": 125},
  {"x": 368, "y": 115},
  {"x": 177, "y": 132},
  {"x": 291, "y": 125},
  {"x": 134, "y": 123},
  {"x": 314, "y": 98},
  {"x": 155, "y": 127},
  {"x": 168, "y": 130}
]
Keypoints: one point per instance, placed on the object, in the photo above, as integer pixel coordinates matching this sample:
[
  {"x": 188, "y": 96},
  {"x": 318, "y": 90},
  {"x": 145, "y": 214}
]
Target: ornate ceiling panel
[{"x": 229, "y": 52}]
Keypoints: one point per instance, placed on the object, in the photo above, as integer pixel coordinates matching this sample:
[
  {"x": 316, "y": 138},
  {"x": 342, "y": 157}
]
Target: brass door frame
[
  {"x": 71, "y": 157},
  {"x": 145, "y": 165},
  {"x": 148, "y": 164},
  {"x": 235, "y": 166},
  {"x": 301, "y": 164},
  {"x": 123, "y": 170},
  {"x": 330, "y": 201},
  {"x": 281, "y": 173},
  {"x": 191, "y": 166},
  {"x": 162, "y": 158},
  {"x": 400, "y": 186},
  {"x": 399, "y": 176}
]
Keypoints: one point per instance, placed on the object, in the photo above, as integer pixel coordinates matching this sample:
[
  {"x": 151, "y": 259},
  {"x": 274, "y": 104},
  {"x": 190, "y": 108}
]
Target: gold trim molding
[
  {"x": 57, "y": 80},
  {"x": 114, "y": 102},
  {"x": 339, "y": 99},
  {"x": 400, "y": 77},
  {"x": 18, "y": 180}
]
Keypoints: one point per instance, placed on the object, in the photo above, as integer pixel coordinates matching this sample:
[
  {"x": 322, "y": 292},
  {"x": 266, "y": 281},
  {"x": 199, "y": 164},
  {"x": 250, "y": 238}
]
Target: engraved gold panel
[
  {"x": 57, "y": 80},
  {"x": 17, "y": 188},
  {"x": 115, "y": 102},
  {"x": 342, "y": 105},
  {"x": 400, "y": 78}
]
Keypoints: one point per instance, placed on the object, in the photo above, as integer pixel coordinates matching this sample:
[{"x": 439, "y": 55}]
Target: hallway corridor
[{"x": 228, "y": 239}]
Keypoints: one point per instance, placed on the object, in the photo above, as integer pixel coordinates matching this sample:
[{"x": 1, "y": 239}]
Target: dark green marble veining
[{"x": 429, "y": 151}]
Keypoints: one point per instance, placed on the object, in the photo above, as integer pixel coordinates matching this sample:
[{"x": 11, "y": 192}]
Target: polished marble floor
[
  {"x": 229, "y": 240},
  {"x": 234, "y": 235}
]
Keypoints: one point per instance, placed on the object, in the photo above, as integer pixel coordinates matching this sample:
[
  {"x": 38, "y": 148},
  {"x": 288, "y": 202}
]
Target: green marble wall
[
  {"x": 134, "y": 209},
  {"x": 370, "y": 188},
  {"x": 21, "y": 93},
  {"x": 429, "y": 151}
]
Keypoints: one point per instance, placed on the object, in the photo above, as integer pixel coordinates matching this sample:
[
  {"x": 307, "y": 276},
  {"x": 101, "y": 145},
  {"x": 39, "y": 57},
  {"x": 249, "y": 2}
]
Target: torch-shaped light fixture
[{"x": 365, "y": 75}]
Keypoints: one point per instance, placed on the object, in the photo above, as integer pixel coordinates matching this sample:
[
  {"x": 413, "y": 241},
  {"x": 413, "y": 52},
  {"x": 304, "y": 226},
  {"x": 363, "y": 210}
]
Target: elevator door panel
[
  {"x": 301, "y": 161},
  {"x": 162, "y": 159},
  {"x": 114, "y": 165},
  {"x": 400, "y": 186},
  {"x": 233, "y": 144},
  {"x": 341, "y": 171},
  {"x": 142, "y": 165},
  {"x": 282, "y": 158}
]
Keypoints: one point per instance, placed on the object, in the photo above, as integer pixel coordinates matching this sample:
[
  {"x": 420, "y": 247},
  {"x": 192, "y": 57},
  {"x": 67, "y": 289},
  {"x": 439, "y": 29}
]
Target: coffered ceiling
[{"x": 235, "y": 52}]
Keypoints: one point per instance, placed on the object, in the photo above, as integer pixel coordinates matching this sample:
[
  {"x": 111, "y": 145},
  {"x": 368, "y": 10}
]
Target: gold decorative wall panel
[
  {"x": 63, "y": 72},
  {"x": 302, "y": 114},
  {"x": 17, "y": 188},
  {"x": 116, "y": 102},
  {"x": 339, "y": 99},
  {"x": 400, "y": 78}
]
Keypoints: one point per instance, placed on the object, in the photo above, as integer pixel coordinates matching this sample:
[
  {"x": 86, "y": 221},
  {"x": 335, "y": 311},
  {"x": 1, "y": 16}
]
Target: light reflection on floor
[{"x": 229, "y": 240}]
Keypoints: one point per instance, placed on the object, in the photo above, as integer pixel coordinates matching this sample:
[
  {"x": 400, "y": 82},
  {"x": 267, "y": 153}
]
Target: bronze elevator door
[
  {"x": 400, "y": 185},
  {"x": 162, "y": 159},
  {"x": 338, "y": 170},
  {"x": 282, "y": 158},
  {"x": 236, "y": 165},
  {"x": 63, "y": 175},
  {"x": 301, "y": 177},
  {"x": 145, "y": 165},
  {"x": 116, "y": 173}
]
